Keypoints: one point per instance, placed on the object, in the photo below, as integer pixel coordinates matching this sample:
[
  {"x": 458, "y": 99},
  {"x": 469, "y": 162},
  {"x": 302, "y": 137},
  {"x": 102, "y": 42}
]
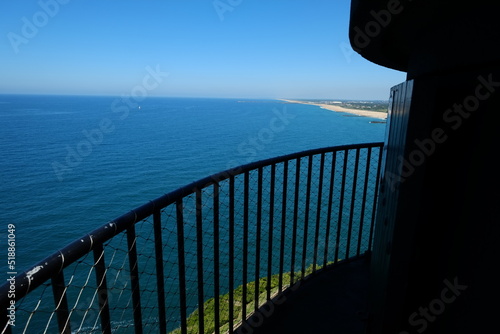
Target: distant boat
[{"x": 139, "y": 107}]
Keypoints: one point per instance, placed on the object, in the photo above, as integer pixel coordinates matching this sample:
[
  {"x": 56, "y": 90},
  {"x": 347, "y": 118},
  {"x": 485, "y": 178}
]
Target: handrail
[{"x": 52, "y": 267}]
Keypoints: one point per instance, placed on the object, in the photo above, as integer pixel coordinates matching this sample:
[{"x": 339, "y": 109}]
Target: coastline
[{"x": 364, "y": 113}]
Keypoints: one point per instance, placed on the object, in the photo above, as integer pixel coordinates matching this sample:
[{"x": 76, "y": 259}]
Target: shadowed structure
[{"x": 434, "y": 247}]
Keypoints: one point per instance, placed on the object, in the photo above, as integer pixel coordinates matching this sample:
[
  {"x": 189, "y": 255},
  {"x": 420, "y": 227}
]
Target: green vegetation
[
  {"x": 209, "y": 305},
  {"x": 379, "y": 106}
]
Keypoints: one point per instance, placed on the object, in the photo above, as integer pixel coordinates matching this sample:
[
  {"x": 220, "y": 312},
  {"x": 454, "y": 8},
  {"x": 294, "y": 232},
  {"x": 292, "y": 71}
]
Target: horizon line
[{"x": 197, "y": 97}]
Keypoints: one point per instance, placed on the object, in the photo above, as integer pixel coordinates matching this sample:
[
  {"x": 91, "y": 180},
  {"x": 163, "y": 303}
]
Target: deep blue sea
[{"x": 69, "y": 164}]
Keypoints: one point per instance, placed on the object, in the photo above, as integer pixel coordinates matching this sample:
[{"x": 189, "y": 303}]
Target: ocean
[{"x": 72, "y": 163}]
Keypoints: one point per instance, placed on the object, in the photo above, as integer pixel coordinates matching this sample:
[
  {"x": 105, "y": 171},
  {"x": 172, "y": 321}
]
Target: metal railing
[{"x": 201, "y": 259}]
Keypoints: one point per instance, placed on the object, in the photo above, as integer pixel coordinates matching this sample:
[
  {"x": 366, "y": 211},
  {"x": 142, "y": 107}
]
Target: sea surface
[{"x": 69, "y": 164}]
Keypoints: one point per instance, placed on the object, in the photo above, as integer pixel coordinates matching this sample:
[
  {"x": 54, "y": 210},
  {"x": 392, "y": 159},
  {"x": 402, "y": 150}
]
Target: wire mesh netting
[{"x": 213, "y": 256}]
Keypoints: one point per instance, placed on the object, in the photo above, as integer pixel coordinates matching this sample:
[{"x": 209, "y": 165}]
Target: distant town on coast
[
  {"x": 375, "y": 105},
  {"x": 375, "y": 109}
]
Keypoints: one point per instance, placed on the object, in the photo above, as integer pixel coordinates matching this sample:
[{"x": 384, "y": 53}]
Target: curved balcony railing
[{"x": 203, "y": 258}]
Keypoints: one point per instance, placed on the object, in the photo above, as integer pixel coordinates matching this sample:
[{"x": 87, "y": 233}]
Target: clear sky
[{"x": 221, "y": 48}]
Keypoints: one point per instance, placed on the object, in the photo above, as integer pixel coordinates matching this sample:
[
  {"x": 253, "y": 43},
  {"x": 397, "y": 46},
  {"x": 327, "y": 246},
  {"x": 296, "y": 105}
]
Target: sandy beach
[{"x": 374, "y": 114}]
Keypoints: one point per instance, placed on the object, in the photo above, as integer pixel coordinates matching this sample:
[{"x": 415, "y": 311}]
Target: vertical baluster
[
  {"x": 353, "y": 202},
  {"x": 295, "y": 218},
  {"x": 271, "y": 230},
  {"x": 283, "y": 224},
  {"x": 216, "y": 260},
  {"x": 160, "y": 283},
  {"x": 330, "y": 206},
  {"x": 257, "y": 239},
  {"x": 182, "y": 270},
  {"x": 375, "y": 197},
  {"x": 231, "y": 253},
  {"x": 245, "y": 247},
  {"x": 199, "y": 252},
  {"x": 102, "y": 292},
  {"x": 318, "y": 210},
  {"x": 134, "y": 278},
  {"x": 61, "y": 302},
  {"x": 306, "y": 216},
  {"x": 341, "y": 206},
  {"x": 363, "y": 202}
]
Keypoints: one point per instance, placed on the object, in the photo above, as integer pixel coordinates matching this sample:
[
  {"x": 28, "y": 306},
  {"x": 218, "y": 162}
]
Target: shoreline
[{"x": 358, "y": 112}]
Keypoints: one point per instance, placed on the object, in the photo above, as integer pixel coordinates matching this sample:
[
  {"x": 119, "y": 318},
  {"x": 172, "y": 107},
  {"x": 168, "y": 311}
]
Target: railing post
[
  {"x": 353, "y": 203},
  {"x": 231, "y": 254},
  {"x": 160, "y": 284},
  {"x": 199, "y": 261},
  {"x": 257, "y": 240},
  {"x": 375, "y": 197},
  {"x": 295, "y": 218},
  {"x": 102, "y": 288},
  {"x": 271, "y": 229},
  {"x": 306, "y": 215},
  {"x": 245, "y": 247},
  {"x": 330, "y": 206},
  {"x": 341, "y": 205},
  {"x": 318, "y": 210},
  {"x": 182, "y": 268},
  {"x": 134, "y": 278},
  {"x": 283, "y": 224},
  {"x": 363, "y": 201},
  {"x": 216, "y": 260},
  {"x": 61, "y": 302}
]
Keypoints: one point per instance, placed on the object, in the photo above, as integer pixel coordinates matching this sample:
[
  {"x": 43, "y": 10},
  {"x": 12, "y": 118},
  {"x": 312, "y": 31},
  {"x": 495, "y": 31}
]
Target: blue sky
[{"x": 221, "y": 48}]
